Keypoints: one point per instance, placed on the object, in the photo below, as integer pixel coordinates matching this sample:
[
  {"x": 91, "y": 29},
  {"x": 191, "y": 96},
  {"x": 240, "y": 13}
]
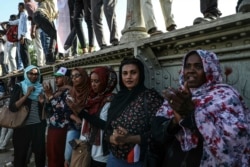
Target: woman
[
  {"x": 129, "y": 116},
  {"x": 206, "y": 121},
  {"x": 33, "y": 131},
  {"x": 103, "y": 82},
  {"x": 78, "y": 94},
  {"x": 57, "y": 112}
]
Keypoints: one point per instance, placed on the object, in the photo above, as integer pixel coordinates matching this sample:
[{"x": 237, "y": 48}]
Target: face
[
  {"x": 76, "y": 77},
  {"x": 95, "y": 83},
  {"x": 33, "y": 75},
  {"x": 193, "y": 71},
  {"x": 20, "y": 8},
  {"x": 130, "y": 76},
  {"x": 59, "y": 81}
]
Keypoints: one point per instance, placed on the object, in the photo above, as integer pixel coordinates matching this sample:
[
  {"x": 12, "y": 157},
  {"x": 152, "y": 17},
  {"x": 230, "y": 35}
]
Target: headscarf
[
  {"x": 108, "y": 81},
  {"x": 124, "y": 97},
  {"x": 81, "y": 92},
  {"x": 221, "y": 117},
  {"x": 26, "y": 83}
]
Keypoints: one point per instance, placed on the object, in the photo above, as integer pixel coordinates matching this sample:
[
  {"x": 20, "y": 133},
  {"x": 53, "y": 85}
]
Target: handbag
[
  {"x": 9, "y": 119},
  {"x": 81, "y": 153}
]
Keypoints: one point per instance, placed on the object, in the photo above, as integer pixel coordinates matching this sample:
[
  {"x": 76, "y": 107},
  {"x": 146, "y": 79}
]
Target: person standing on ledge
[{"x": 210, "y": 11}]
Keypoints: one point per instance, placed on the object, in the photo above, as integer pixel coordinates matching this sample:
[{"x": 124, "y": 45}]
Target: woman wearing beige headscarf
[{"x": 78, "y": 94}]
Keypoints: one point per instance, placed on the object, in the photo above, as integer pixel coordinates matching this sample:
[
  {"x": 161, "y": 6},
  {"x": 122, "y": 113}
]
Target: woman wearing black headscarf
[{"x": 129, "y": 116}]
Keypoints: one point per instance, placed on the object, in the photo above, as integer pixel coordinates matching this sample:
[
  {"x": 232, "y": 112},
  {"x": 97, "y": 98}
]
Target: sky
[{"x": 185, "y": 11}]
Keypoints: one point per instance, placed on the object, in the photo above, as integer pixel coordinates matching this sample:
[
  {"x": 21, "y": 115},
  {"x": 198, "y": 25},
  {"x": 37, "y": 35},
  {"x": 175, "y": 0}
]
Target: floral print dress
[{"x": 221, "y": 117}]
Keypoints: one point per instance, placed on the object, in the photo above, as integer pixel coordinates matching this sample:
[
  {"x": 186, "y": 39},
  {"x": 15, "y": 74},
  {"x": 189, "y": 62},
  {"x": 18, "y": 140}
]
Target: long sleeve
[
  {"x": 15, "y": 95},
  {"x": 95, "y": 120}
]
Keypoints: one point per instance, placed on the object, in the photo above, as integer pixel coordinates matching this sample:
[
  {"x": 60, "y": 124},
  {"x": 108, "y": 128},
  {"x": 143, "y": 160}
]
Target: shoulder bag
[
  {"x": 9, "y": 119},
  {"x": 81, "y": 153}
]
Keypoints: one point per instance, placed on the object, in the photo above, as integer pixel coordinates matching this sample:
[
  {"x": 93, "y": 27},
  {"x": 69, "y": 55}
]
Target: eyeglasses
[
  {"x": 33, "y": 74},
  {"x": 75, "y": 76}
]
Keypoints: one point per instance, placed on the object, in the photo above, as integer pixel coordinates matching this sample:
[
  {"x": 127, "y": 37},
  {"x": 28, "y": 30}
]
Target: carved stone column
[{"x": 134, "y": 25}]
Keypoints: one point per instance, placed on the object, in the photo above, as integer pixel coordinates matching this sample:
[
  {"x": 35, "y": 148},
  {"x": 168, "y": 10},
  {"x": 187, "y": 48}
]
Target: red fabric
[
  {"x": 96, "y": 101},
  {"x": 55, "y": 146}
]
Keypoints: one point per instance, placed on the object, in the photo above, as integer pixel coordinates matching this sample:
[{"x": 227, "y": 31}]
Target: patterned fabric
[
  {"x": 135, "y": 119},
  {"x": 221, "y": 117},
  {"x": 59, "y": 111}
]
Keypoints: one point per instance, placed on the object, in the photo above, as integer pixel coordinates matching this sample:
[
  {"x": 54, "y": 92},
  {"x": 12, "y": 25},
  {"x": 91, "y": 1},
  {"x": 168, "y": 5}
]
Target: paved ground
[{"x": 6, "y": 157}]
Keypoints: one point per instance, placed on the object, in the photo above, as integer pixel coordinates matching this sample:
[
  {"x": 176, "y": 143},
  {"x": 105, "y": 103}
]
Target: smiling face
[
  {"x": 130, "y": 76},
  {"x": 193, "y": 71}
]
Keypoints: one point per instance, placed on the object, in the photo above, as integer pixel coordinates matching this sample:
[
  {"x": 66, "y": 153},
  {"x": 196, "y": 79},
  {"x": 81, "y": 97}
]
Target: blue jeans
[
  {"x": 19, "y": 62},
  {"x": 71, "y": 134},
  {"x": 115, "y": 162},
  {"x": 45, "y": 39}
]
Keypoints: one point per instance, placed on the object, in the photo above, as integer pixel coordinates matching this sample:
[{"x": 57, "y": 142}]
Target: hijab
[
  {"x": 81, "y": 91},
  {"x": 108, "y": 81},
  {"x": 125, "y": 96},
  {"x": 220, "y": 115},
  {"x": 27, "y": 83}
]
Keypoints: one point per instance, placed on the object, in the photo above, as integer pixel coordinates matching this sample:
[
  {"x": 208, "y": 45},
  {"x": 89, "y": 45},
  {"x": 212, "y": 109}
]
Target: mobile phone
[{"x": 73, "y": 144}]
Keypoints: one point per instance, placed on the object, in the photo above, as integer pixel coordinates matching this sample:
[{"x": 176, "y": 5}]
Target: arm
[
  {"x": 14, "y": 22},
  {"x": 96, "y": 120},
  {"x": 15, "y": 100}
]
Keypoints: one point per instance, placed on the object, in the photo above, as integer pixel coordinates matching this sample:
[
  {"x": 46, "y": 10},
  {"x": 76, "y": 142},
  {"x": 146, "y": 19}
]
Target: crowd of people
[
  {"x": 204, "y": 122},
  {"x": 54, "y": 28}
]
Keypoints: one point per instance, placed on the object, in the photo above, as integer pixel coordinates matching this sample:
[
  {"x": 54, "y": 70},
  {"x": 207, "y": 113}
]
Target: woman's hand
[
  {"x": 30, "y": 90},
  {"x": 180, "y": 100},
  {"x": 73, "y": 106},
  {"x": 47, "y": 89},
  {"x": 121, "y": 136},
  {"x": 41, "y": 98}
]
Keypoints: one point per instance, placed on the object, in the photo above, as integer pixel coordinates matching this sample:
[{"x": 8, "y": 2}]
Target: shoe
[
  {"x": 14, "y": 71},
  {"x": 154, "y": 31},
  {"x": 172, "y": 27},
  {"x": 115, "y": 42},
  {"x": 50, "y": 62},
  {"x": 68, "y": 57},
  {"x": 91, "y": 49},
  {"x": 244, "y": 7},
  {"x": 84, "y": 51},
  {"x": 207, "y": 18},
  {"x": 104, "y": 46}
]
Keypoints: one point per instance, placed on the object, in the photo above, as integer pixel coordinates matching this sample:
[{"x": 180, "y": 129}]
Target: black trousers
[
  {"x": 209, "y": 6},
  {"x": 29, "y": 136}
]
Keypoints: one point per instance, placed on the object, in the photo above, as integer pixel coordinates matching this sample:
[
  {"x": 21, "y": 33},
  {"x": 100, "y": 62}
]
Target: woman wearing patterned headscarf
[
  {"x": 33, "y": 131},
  {"x": 103, "y": 82},
  {"x": 206, "y": 120},
  {"x": 131, "y": 111}
]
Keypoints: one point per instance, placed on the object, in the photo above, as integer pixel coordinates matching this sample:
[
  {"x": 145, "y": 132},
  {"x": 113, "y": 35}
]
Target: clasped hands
[
  {"x": 119, "y": 136},
  {"x": 180, "y": 100}
]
